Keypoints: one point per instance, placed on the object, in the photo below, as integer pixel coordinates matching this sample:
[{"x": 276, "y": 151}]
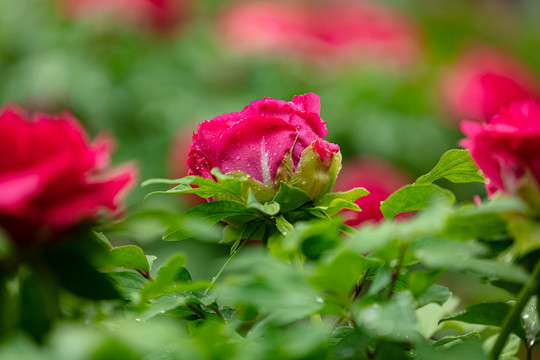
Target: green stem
[
  {"x": 236, "y": 251},
  {"x": 397, "y": 270},
  {"x": 225, "y": 266},
  {"x": 215, "y": 309},
  {"x": 513, "y": 317}
]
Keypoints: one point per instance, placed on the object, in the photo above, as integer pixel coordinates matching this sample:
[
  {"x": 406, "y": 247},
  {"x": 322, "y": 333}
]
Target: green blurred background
[{"x": 144, "y": 86}]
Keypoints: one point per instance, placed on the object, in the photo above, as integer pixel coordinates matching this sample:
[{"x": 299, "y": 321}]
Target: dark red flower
[
  {"x": 507, "y": 148},
  {"x": 376, "y": 176},
  {"x": 52, "y": 177},
  {"x": 330, "y": 30},
  {"x": 483, "y": 80}
]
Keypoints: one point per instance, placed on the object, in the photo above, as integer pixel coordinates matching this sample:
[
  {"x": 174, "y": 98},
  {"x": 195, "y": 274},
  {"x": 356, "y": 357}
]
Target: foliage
[
  {"x": 442, "y": 277},
  {"x": 314, "y": 288}
]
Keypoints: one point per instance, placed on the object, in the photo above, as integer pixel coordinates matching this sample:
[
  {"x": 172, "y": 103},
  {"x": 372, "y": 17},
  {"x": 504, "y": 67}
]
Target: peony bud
[{"x": 270, "y": 141}]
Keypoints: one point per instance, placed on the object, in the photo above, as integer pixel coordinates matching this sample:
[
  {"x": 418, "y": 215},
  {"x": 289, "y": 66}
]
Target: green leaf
[
  {"x": 38, "y": 303},
  {"x": 342, "y": 273},
  {"x": 6, "y": 306},
  {"x": 168, "y": 275},
  {"x": 205, "y": 188},
  {"x": 485, "y": 222},
  {"x": 456, "y": 166},
  {"x": 312, "y": 238},
  {"x": 162, "y": 305},
  {"x": 415, "y": 197},
  {"x": 114, "y": 349},
  {"x": 290, "y": 198},
  {"x": 489, "y": 313},
  {"x": 272, "y": 286},
  {"x": 465, "y": 337},
  {"x": 350, "y": 195},
  {"x": 232, "y": 234},
  {"x": 421, "y": 281},
  {"x": 283, "y": 226},
  {"x": 435, "y": 294},
  {"x": 77, "y": 274},
  {"x": 347, "y": 340},
  {"x": 206, "y": 214},
  {"x": 269, "y": 208},
  {"x": 468, "y": 347},
  {"x": 530, "y": 321},
  {"x": 332, "y": 203},
  {"x": 439, "y": 253},
  {"x": 392, "y": 320},
  {"x": 128, "y": 283},
  {"x": 510, "y": 349},
  {"x": 526, "y": 234},
  {"x": 130, "y": 257},
  {"x": 100, "y": 237}
]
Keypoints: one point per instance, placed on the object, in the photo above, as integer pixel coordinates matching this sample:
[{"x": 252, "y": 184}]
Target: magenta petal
[
  {"x": 326, "y": 150},
  {"x": 16, "y": 190},
  {"x": 309, "y": 102},
  {"x": 45, "y": 164},
  {"x": 256, "y": 146},
  {"x": 197, "y": 162},
  {"x": 107, "y": 194},
  {"x": 209, "y": 133}
]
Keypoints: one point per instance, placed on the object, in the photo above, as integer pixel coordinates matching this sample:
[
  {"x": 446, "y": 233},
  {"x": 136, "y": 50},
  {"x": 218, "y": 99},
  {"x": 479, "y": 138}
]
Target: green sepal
[
  {"x": 270, "y": 208},
  {"x": 332, "y": 203},
  {"x": 290, "y": 198},
  {"x": 314, "y": 176}
]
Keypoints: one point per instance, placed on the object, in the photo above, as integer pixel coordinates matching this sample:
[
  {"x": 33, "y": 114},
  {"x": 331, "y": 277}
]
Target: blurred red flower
[
  {"x": 378, "y": 177},
  {"x": 485, "y": 79},
  {"x": 52, "y": 177},
  {"x": 507, "y": 148},
  {"x": 328, "y": 30},
  {"x": 178, "y": 155},
  {"x": 161, "y": 15}
]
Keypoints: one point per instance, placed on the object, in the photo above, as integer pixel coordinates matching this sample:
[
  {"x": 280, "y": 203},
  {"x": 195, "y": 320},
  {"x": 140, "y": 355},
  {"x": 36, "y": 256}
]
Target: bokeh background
[{"x": 394, "y": 77}]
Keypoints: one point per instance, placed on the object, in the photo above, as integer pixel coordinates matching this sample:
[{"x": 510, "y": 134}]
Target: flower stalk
[{"x": 513, "y": 317}]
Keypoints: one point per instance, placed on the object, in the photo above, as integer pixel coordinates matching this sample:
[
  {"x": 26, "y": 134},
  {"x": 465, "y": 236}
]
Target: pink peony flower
[
  {"x": 361, "y": 31},
  {"x": 483, "y": 80},
  {"x": 161, "y": 15},
  {"x": 52, "y": 178},
  {"x": 378, "y": 177},
  {"x": 506, "y": 148},
  {"x": 270, "y": 141}
]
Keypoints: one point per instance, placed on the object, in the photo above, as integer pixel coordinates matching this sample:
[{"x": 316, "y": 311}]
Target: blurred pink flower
[
  {"x": 329, "y": 30},
  {"x": 378, "y": 177},
  {"x": 485, "y": 79},
  {"x": 52, "y": 177},
  {"x": 507, "y": 148},
  {"x": 178, "y": 155},
  {"x": 160, "y": 15}
]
